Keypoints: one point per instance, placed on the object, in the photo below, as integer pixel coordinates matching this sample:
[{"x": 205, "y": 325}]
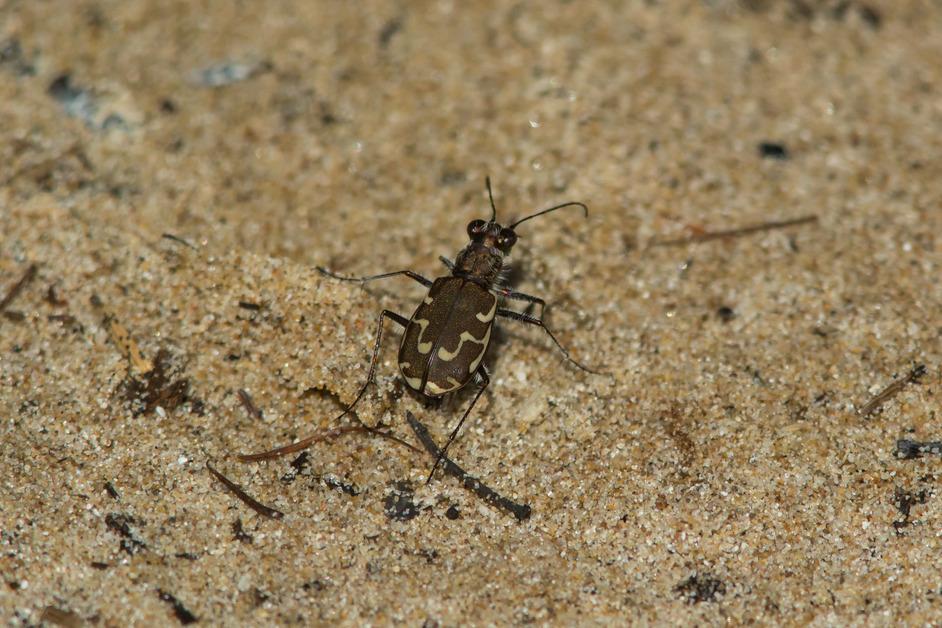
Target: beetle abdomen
[{"x": 446, "y": 339}]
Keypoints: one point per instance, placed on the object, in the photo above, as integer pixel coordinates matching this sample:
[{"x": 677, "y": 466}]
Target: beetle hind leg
[
  {"x": 307, "y": 442},
  {"x": 393, "y": 316},
  {"x": 485, "y": 380}
]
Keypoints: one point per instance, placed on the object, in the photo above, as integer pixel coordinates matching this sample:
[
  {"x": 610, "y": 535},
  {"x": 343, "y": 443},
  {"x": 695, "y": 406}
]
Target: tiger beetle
[{"x": 445, "y": 340}]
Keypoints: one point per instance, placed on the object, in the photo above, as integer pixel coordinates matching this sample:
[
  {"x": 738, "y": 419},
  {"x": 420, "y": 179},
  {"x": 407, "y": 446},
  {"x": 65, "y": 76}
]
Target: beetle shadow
[
  {"x": 513, "y": 273},
  {"x": 451, "y": 407}
]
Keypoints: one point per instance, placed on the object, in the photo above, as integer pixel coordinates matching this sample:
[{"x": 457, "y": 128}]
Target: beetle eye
[
  {"x": 476, "y": 228},
  {"x": 507, "y": 238}
]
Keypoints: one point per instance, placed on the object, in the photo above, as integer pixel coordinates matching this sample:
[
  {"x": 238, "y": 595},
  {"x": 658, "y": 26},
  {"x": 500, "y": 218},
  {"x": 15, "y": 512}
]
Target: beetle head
[
  {"x": 491, "y": 235},
  {"x": 483, "y": 258}
]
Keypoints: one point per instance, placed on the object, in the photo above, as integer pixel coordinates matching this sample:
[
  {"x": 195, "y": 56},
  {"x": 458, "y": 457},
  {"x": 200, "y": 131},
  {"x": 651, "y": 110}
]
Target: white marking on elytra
[
  {"x": 414, "y": 382},
  {"x": 487, "y": 318},
  {"x": 428, "y": 300},
  {"x": 423, "y": 347},
  {"x": 466, "y": 336},
  {"x": 435, "y": 389}
]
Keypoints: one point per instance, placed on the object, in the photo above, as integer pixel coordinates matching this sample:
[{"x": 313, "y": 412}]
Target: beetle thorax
[
  {"x": 479, "y": 263},
  {"x": 482, "y": 260}
]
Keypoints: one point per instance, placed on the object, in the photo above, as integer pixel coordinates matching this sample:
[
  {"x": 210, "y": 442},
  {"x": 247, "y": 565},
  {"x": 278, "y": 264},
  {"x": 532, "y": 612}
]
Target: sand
[{"x": 727, "y": 469}]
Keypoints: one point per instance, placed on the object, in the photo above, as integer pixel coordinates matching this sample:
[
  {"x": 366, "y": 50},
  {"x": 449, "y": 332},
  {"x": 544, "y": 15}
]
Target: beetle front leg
[
  {"x": 485, "y": 380},
  {"x": 530, "y": 320},
  {"x": 408, "y": 273},
  {"x": 306, "y": 442}
]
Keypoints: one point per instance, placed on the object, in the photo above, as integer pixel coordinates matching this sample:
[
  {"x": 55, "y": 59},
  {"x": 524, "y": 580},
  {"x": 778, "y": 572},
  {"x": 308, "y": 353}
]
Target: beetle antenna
[
  {"x": 552, "y": 209},
  {"x": 490, "y": 195}
]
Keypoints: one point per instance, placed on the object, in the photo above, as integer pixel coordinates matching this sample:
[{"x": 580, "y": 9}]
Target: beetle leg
[
  {"x": 307, "y": 442},
  {"x": 373, "y": 360},
  {"x": 520, "y": 296},
  {"x": 447, "y": 262},
  {"x": 485, "y": 380},
  {"x": 530, "y": 320},
  {"x": 408, "y": 273}
]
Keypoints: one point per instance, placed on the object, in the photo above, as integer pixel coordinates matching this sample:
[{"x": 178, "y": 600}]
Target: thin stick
[
  {"x": 250, "y": 501},
  {"x": 170, "y": 236},
  {"x": 892, "y": 390},
  {"x": 909, "y": 449},
  {"x": 320, "y": 436},
  {"x": 489, "y": 495},
  {"x": 732, "y": 233},
  {"x": 122, "y": 338},
  {"x": 16, "y": 288},
  {"x": 246, "y": 399}
]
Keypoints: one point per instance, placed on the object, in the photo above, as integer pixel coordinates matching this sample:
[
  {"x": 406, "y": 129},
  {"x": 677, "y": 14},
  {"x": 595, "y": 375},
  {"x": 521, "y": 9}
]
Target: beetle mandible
[{"x": 444, "y": 342}]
